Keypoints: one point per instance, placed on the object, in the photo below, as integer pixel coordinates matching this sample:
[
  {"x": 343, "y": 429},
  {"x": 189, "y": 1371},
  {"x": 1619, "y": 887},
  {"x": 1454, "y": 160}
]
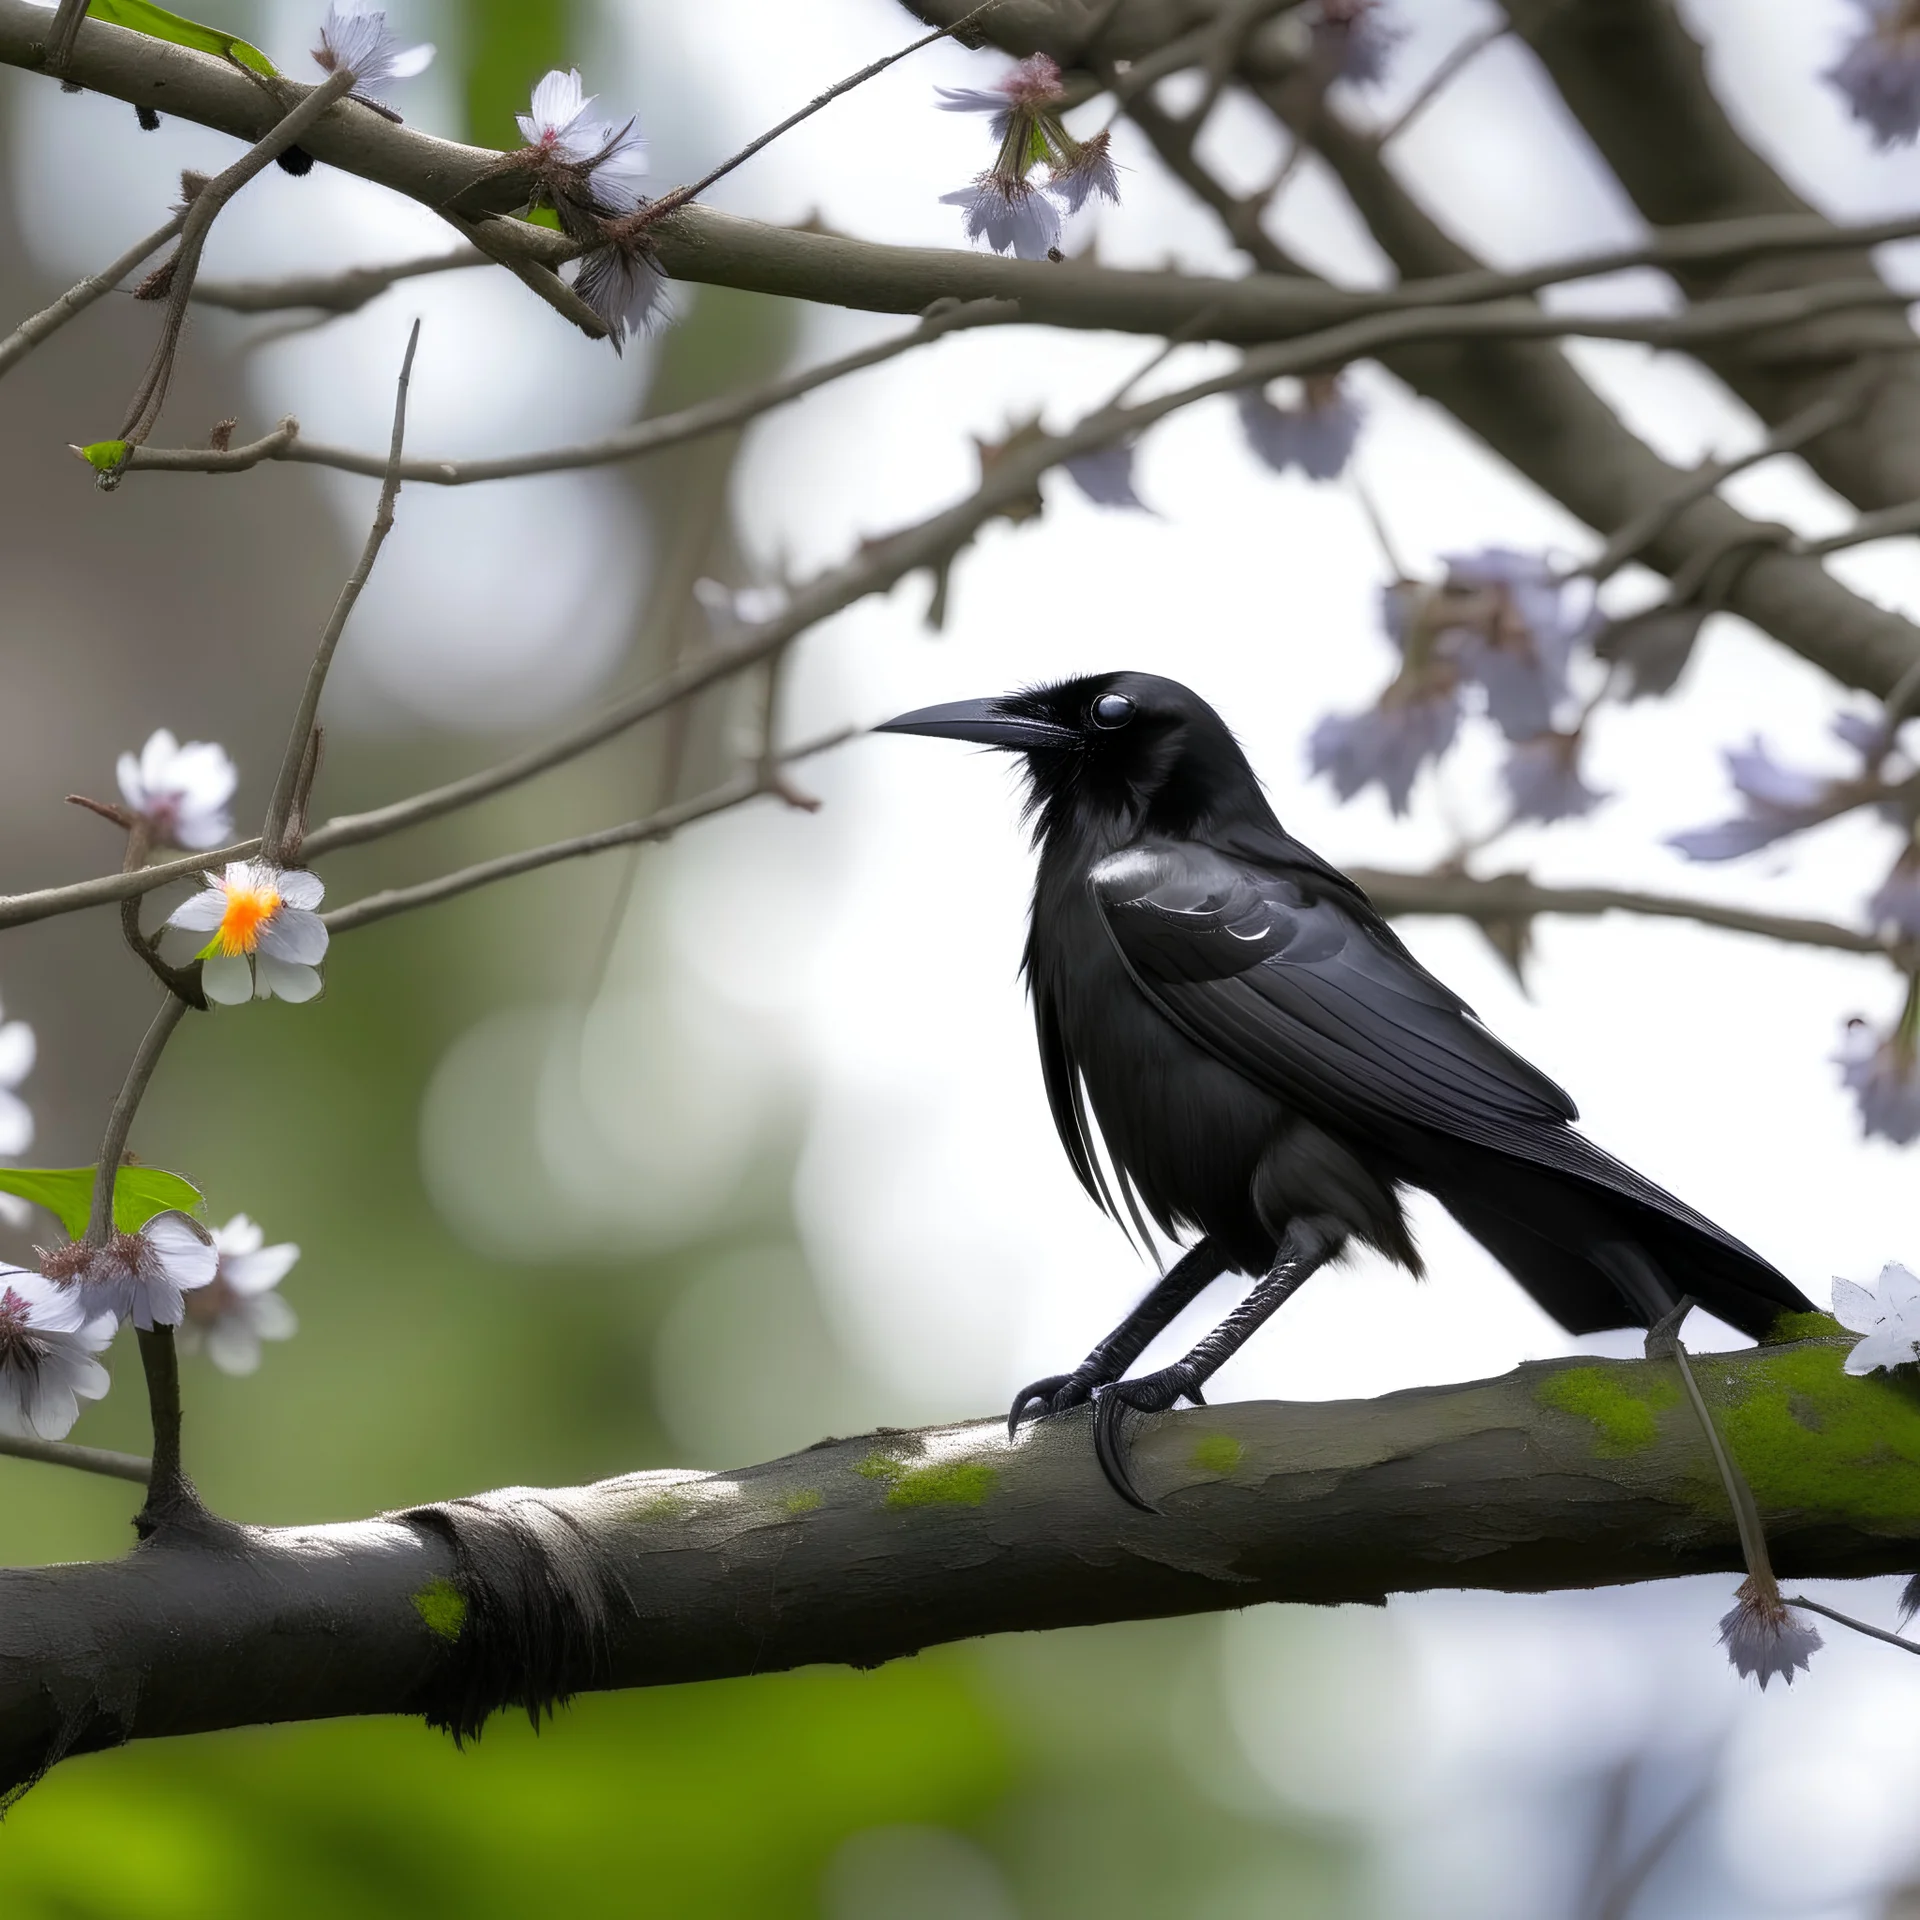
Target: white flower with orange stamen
[{"x": 267, "y": 940}]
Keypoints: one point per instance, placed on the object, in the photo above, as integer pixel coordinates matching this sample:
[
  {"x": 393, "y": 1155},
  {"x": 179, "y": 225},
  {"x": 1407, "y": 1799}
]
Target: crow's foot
[
  {"x": 1055, "y": 1394},
  {"x": 1151, "y": 1393}
]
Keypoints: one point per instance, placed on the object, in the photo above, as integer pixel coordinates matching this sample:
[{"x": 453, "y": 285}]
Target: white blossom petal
[
  {"x": 227, "y": 980},
  {"x": 203, "y": 912},
  {"x": 255, "y": 1272},
  {"x": 233, "y": 1346},
  {"x": 239, "y": 1236},
  {"x": 16, "y": 1052},
  {"x": 186, "y": 1250},
  {"x": 299, "y": 888},
  {"x": 294, "y": 936},
  {"x": 278, "y": 980},
  {"x": 16, "y": 1123},
  {"x": 1855, "y": 1307}
]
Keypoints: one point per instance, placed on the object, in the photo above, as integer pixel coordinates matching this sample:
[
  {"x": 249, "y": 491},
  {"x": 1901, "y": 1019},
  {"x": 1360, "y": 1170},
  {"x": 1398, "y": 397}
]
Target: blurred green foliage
[{"x": 510, "y": 44}]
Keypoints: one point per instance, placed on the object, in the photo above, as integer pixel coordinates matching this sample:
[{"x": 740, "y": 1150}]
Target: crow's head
[{"x": 1111, "y": 751}]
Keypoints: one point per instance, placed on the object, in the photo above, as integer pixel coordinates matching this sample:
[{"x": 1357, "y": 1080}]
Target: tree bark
[{"x": 1558, "y": 1475}]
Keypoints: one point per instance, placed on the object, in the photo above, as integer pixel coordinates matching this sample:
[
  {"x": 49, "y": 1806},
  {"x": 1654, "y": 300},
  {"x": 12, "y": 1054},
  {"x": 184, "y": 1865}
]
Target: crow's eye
[{"x": 1112, "y": 710}]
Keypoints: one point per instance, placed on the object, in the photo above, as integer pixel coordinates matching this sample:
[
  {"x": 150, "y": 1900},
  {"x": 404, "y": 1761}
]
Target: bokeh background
[{"x": 690, "y": 1157}]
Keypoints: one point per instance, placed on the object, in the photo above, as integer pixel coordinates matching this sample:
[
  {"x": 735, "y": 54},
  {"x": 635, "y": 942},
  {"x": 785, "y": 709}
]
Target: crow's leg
[
  {"x": 1195, "y": 1270},
  {"x": 1308, "y": 1243}
]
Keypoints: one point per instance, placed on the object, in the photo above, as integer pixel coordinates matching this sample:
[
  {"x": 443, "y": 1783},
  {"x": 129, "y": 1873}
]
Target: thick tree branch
[
  {"x": 1634, "y": 76},
  {"x": 1559, "y": 1475}
]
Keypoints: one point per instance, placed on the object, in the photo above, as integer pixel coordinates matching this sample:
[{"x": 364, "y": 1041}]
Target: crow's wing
[{"x": 1299, "y": 986}]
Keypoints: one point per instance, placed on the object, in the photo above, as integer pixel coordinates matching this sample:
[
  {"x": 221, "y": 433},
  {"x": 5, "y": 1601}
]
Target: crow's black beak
[{"x": 985, "y": 723}]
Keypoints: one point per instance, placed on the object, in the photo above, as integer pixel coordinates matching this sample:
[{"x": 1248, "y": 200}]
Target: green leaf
[
  {"x": 141, "y": 16},
  {"x": 67, "y": 1193},
  {"x": 105, "y": 456}
]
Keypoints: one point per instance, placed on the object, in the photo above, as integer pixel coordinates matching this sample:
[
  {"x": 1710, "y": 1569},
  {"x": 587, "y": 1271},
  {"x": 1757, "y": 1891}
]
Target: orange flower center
[{"x": 248, "y": 911}]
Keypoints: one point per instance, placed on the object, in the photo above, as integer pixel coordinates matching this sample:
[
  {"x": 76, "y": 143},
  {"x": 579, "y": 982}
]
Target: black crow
[{"x": 1267, "y": 1066}]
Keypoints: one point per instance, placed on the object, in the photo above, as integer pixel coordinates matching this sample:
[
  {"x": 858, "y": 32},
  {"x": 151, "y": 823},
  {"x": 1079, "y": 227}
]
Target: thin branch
[
  {"x": 120, "y": 1122},
  {"x": 333, "y": 293},
  {"x": 280, "y": 807},
  {"x": 18, "y": 909},
  {"x": 77, "y": 298},
  {"x": 62, "y": 1453},
  {"x": 1512, "y": 896},
  {"x": 765, "y": 778},
  {"x": 1884, "y": 523},
  {"x": 1821, "y": 416},
  {"x": 1468, "y": 50},
  {"x": 144, "y": 409},
  {"x": 631, "y": 443},
  {"x": 656, "y": 210},
  {"x": 1847, "y": 1620},
  {"x": 504, "y": 242}
]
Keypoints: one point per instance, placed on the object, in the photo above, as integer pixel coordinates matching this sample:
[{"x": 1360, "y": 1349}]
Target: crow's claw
[
  {"x": 1151, "y": 1393},
  {"x": 1055, "y": 1394}
]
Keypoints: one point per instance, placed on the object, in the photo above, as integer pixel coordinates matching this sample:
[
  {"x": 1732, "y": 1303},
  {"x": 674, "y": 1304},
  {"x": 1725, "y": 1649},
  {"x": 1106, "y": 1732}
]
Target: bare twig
[
  {"x": 331, "y": 293},
  {"x": 17, "y": 909},
  {"x": 144, "y": 409},
  {"x": 655, "y": 210},
  {"x": 505, "y": 243},
  {"x": 1513, "y": 896},
  {"x": 1847, "y": 1620},
  {"x": 280, "y": 807},
  {"x": 1469, "y": 50},
  {"x": 1822, "y": 416},
  {"x": 63, "y": 1453},
  {"x": 120, "y": 1122},
  {"x": 635, "y": 442},
  {"x": 762, "y": 779},
  {"x": 77, "y": 298}
]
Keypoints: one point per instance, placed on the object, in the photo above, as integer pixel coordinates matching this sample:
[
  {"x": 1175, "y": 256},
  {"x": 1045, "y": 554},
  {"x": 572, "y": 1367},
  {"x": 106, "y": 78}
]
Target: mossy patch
[
  {"x": 660, "y": 1506},
  {"x": 804, "y": 1501},
  {"x": 443, "y": 1607},
  {"x": 1217, "y": 1453},
  {"x": 1811, "y": 1436},
  {"x": 955, "y": 1483},
  {"x": 1802, "y": 1326},
  {"x": 1623, "y": 1402}
]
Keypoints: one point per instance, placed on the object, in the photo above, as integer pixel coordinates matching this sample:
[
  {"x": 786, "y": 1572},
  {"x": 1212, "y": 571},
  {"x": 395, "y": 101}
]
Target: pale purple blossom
[
  {"x": 1510, "y": 622},
  {"x": 182, "y": 793},
  {"x": 239, "y": 1308},
  {"x": 1895, "y": 904},
  {"x": 1030, "y": 87},
  {"x": 1004, "y": 206},
  {"x": 1779, "y": 800},
  {"x": 1105, "y": 476},
  {"x": 1765, "y": 1639},
  {"x": 1883, "y": 1073},
  {"x": 354, "y": 36},
  {"x": 1010, "y": 214},
  {"x": 1413, "y": 723},
  {"x": 1316, "y": 433},
  {"x": 1086, "y": 173},
  {"x": 144, "y": 1277},
  {"x": 1544, "y": 781},
  {"x": 625, "y": 287},
  {"x": 1353, "y": 39},
  {"x": 560, "y": 120},
  {"x": 1888, "y": 1321},
  {"x": 1879, "y": 74},
  {"x": 267, "y": 940},
  {"x": 48, "y": 1340}
]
